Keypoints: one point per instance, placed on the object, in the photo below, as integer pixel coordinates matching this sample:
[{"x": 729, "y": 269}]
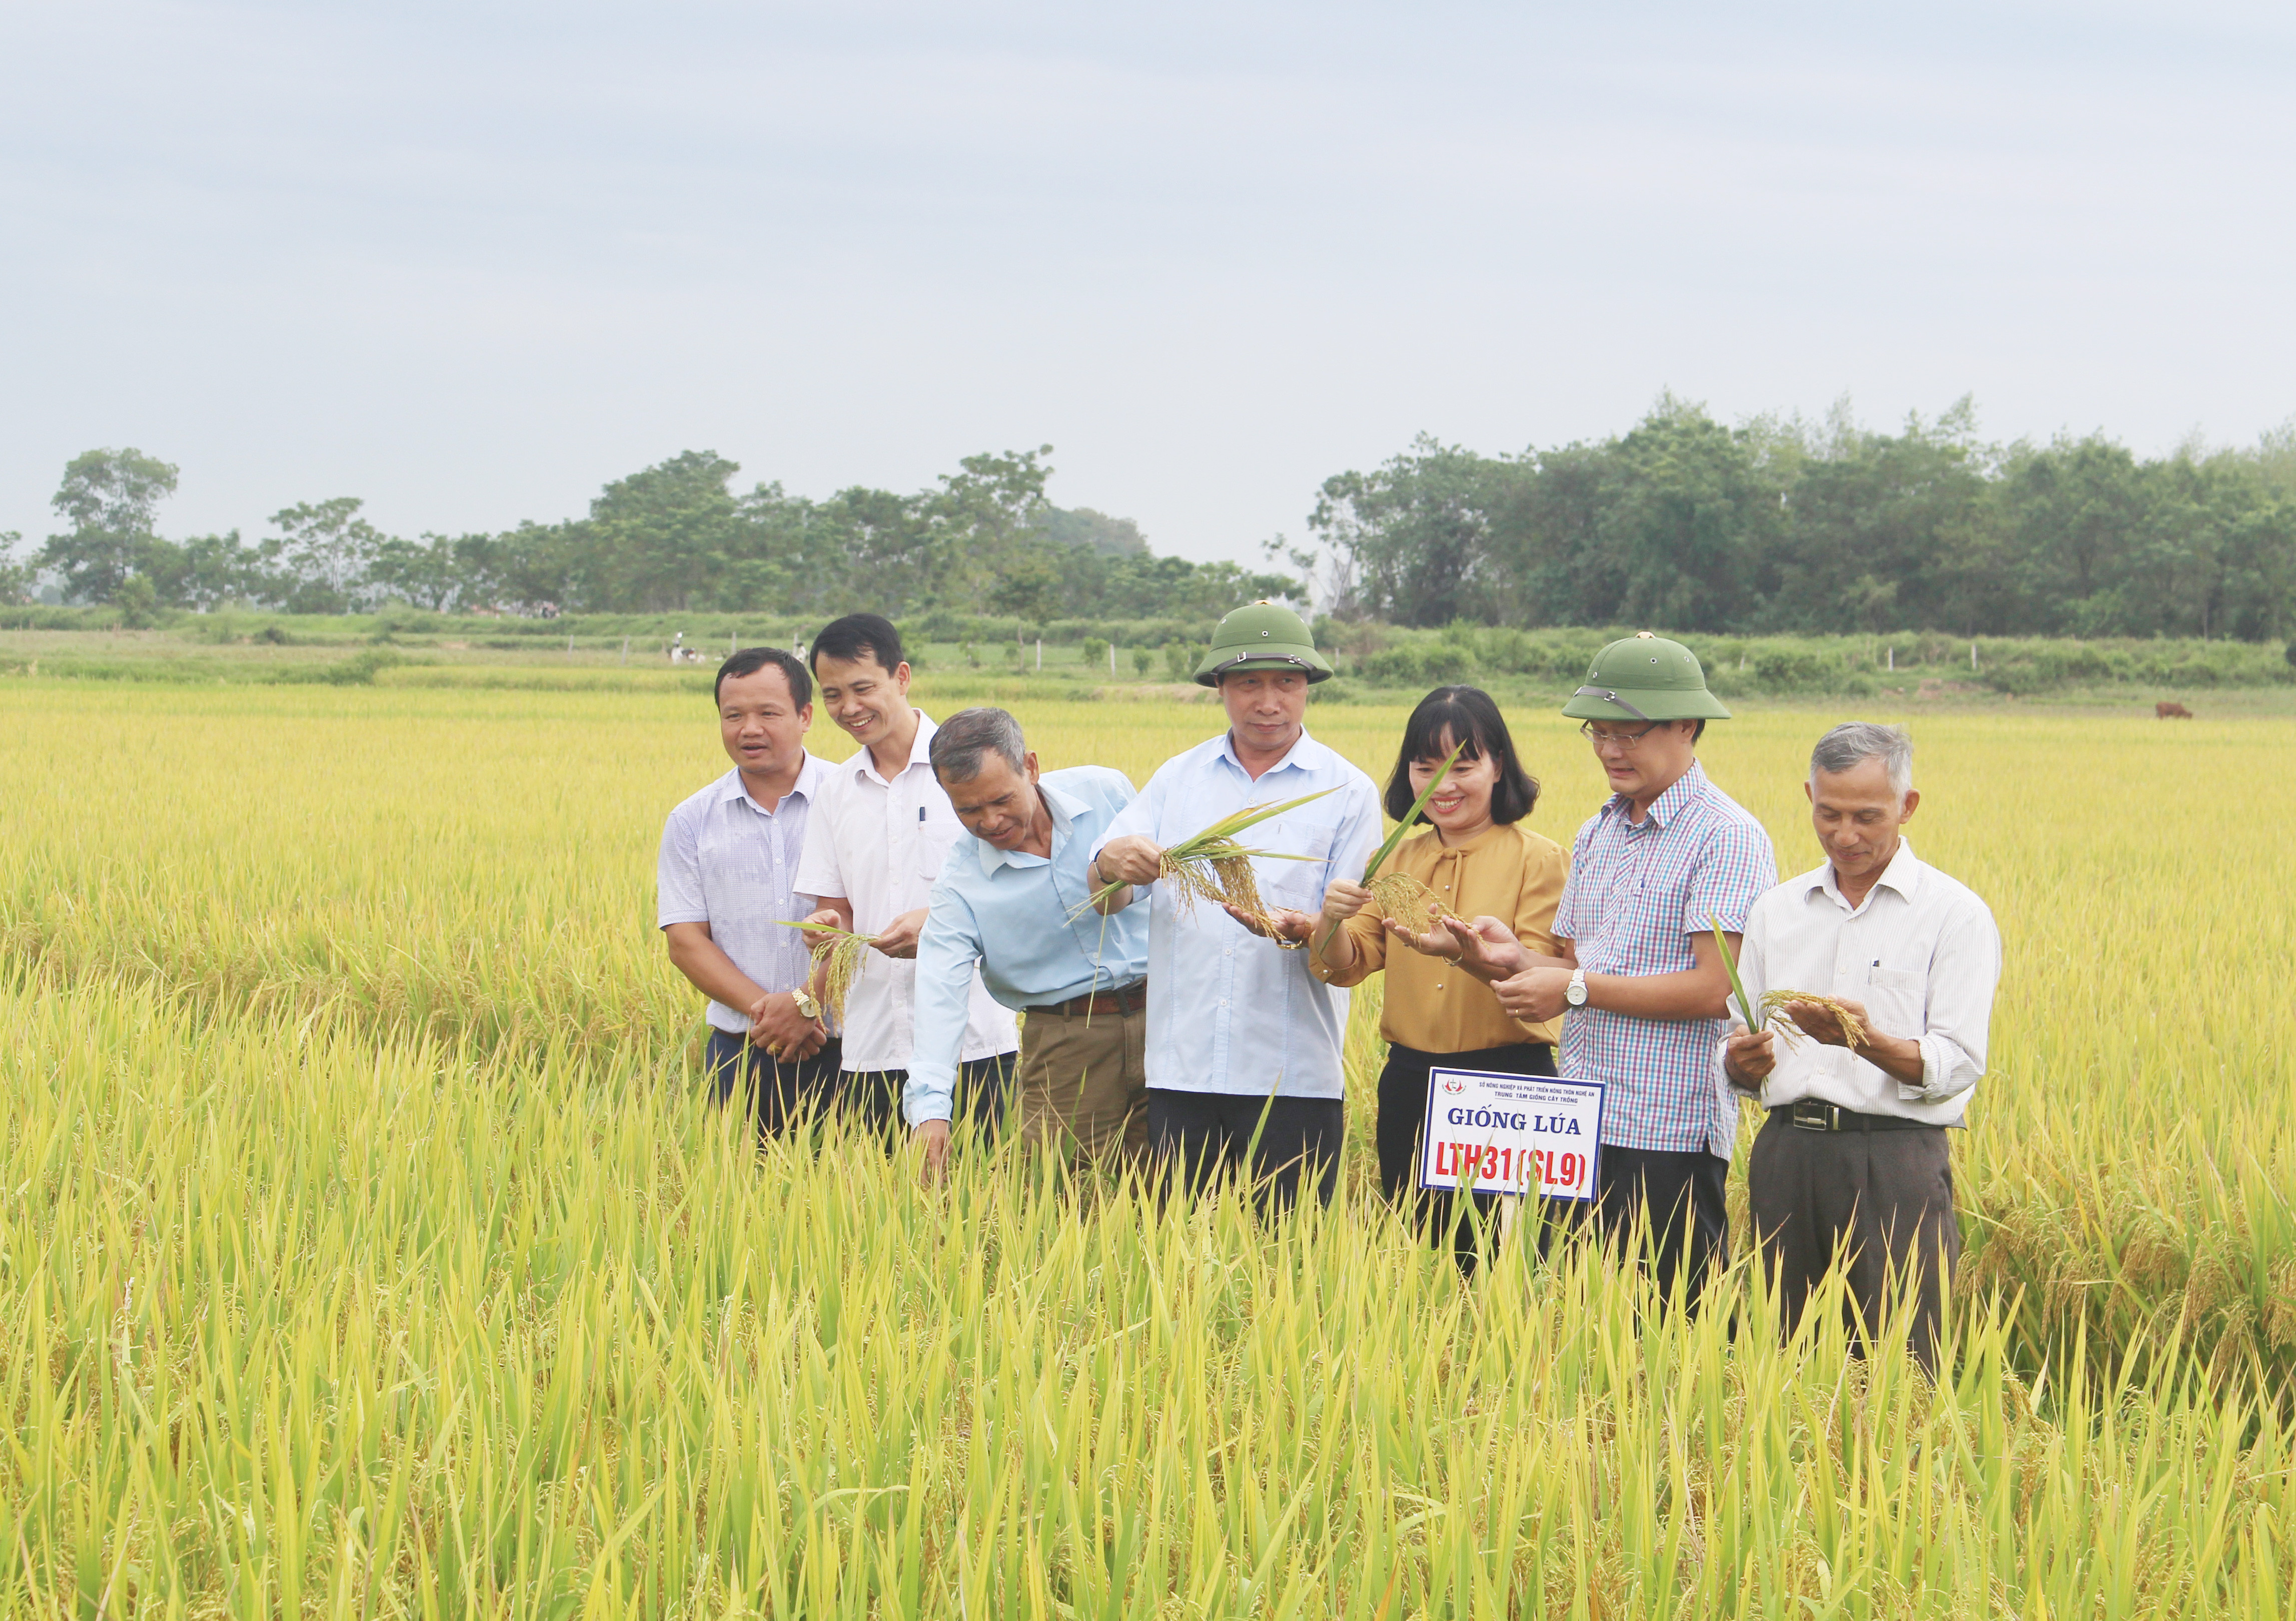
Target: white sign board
[{"x": 1511, "y": 1133}]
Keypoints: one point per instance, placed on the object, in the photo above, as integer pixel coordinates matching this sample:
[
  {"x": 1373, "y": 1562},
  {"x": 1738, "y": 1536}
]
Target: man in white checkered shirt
[{"x": 1640, "y": 974}]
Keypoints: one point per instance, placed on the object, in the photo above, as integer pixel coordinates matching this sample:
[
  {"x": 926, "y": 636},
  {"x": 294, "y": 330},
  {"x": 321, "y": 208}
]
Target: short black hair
[
  {"x": 848, "y": 639},
  {"x": 751, "y": 660},
  {"x": 1461, "y": 714}
]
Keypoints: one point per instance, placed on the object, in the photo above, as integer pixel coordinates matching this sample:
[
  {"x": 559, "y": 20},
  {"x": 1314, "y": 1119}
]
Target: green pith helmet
[
  {"x": 1644, "y": 678},
  {"x": 1261, "y": 636}
]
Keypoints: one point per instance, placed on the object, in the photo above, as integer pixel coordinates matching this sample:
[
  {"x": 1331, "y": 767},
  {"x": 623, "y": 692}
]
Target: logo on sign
[{"x": 1453, "y": 1086}]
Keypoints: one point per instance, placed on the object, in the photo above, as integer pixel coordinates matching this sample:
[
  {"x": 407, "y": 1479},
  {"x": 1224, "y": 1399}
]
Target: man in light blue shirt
[
  {"x": 1015, "y": 899},
  {"x": 1243, "y": 1042}
]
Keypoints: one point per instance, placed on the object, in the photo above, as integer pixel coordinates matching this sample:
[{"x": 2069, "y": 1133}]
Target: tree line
[
  {"x": 676, "y": 536},
  {"x": 1777, "y": 526}
]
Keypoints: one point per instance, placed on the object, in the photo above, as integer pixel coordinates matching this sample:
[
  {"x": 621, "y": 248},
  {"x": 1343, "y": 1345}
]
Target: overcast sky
[{"x": 469, "y": 261}]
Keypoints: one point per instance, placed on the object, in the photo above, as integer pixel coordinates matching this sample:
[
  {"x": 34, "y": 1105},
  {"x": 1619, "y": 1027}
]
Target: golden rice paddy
[{"x": 364, "y": 1249}]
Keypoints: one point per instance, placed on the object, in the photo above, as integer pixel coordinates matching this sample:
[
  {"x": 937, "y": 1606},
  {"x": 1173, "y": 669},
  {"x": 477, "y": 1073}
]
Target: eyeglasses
[{"x": 1628, "y": 741}]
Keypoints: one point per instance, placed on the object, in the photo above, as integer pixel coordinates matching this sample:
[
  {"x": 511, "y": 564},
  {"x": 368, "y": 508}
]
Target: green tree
[
  {"x": 871, "y": 545},
  {"x": 985, "y": 530},
  {"x": 1689, "y": 516},
  {"x": 419, "y": 573},
  {"x": 1418, "y": 531},
  {"x": 1882, "y": 531},
  {"x": 326, "y": 549},
  {"x": 15, "y": 578},
  {"x": 2073, "y": 510},
  {"x": 216, "y": 569},
  {"x": 111, "y": 499},
  {"x": 661, "y": 539}
]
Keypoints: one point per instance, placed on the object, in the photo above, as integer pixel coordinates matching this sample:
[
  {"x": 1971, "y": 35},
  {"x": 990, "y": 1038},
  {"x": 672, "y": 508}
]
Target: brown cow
[{"x": 2166, "y": 709}]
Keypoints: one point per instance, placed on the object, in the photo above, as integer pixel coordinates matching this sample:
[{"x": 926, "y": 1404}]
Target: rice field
[{"x": 364, "y": 1250}]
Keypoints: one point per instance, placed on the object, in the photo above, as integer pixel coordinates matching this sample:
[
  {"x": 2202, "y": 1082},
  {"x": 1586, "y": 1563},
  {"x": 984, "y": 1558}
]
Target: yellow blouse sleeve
[
  {"x": 1545, "y": 866},
  {"x": 1371, "y": 950}
]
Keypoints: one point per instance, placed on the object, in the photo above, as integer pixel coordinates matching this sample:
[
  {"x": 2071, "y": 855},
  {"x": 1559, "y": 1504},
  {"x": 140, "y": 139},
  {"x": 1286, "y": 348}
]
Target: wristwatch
[
  {"x": 805, "y": 1006},
  {"x": 1575, "y": 992}
]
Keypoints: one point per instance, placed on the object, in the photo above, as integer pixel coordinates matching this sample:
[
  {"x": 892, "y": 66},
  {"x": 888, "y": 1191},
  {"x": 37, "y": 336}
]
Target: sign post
[{"x": 1511, "y": 1134}]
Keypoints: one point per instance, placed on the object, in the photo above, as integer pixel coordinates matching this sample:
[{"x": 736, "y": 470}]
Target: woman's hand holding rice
[{"x": 1488, "y": 949}]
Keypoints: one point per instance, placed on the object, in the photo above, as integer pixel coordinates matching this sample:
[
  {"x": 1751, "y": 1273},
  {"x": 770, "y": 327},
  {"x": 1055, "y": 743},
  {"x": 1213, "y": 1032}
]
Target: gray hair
[
  {"x": 969, "y": 734},
  {"x": 1840, "y": 750}
]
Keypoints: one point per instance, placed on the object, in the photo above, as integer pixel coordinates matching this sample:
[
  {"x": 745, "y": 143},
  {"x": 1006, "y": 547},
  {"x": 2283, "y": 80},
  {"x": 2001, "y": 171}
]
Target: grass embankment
[
  {"x": 1083, "y": 659},
  {"x": 368, "y": 1243}
]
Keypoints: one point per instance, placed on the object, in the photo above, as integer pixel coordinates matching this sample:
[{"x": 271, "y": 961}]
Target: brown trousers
[
  {"x": 1083, "y": 1083},
  {"x": 1881, "y": 1201}
]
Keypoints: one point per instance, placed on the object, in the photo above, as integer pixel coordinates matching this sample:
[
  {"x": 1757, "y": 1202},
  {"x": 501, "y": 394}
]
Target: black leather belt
[
  {"x": 1814, "y": 1114},
  {"x": 1121, "y": 1000}
]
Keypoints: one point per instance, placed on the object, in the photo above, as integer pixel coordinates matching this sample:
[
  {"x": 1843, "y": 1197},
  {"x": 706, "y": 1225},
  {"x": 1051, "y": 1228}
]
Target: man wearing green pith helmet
[
  {"x": 1638, "y": 972},
  {"x": 1243, "y": 1042}
]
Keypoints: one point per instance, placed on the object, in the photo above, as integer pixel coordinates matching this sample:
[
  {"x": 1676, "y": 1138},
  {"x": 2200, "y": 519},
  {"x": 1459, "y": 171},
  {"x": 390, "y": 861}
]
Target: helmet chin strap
[{"x": 1605, "y": 694}]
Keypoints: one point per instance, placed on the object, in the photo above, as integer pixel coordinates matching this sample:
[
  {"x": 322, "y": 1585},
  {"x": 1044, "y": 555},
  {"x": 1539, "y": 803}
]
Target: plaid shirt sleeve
[
  {"x": 1737, "y": 868},
  {"x": 1566, "y": 909}
]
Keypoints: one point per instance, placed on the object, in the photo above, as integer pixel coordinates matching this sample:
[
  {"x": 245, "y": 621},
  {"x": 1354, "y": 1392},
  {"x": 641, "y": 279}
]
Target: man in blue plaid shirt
[{"x": 1639, "y": 974}]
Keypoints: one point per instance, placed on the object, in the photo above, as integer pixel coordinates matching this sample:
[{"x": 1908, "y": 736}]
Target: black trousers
[
  {"x": 873, "y": 1096},
  {"x": 1200, "y": 1137},
  {"x": 777, "y": 1095},
  {"x": 1439, "y": 1215},
  {"x": 1681, "y": 1197},
  {"x": 1881, "y": 1203}
]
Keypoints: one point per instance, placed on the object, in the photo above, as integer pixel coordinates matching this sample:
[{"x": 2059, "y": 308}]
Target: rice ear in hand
[
  {"x": 839, "y": 962},
  {"x": 1401, "y": 897},
  {"x": 1212, "y": 866},
  {"x": 1775, "y": 1004}
]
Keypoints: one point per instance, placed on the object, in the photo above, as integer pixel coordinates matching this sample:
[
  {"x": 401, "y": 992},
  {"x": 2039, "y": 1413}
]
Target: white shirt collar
[
  {"x": 808, "y": 786},
  {"x": 863, "y": 764},
  {"x": 1903, "y": 875},
  {"x": 1305, "y": 752}
]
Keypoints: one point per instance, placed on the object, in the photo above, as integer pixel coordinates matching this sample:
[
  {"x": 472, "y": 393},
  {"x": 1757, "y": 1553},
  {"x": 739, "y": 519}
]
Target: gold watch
[{"x": 805, "y": 1006}]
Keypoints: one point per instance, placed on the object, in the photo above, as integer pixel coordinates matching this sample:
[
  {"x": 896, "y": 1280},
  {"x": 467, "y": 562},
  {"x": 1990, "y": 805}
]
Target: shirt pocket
[
  {"x": 1898, "y": 1001},
  {"x": 1298, "y": 885},
  {"x": 937, "y": 835}
]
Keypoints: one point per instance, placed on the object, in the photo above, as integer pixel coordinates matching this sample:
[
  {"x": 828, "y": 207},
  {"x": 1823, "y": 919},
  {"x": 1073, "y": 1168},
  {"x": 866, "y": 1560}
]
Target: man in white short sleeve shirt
[
  {"x": 726, "y": 883},
  {"x": 876, "y": 842}
]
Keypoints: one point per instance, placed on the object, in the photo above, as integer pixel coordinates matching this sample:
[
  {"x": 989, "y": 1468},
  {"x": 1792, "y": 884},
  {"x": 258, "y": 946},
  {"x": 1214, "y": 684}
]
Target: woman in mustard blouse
[{"x": 1473, "y": 855}]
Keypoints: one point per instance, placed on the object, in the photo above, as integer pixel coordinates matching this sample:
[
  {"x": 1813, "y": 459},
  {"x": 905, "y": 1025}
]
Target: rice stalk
[
  {"x": 1730, "y": 966},
  {"x": 1775, "y": 1004},
  {"x": 1212, "y": 866},
  {"x": 836, "y": 963},
  {"x": 1403, "y": 896},
  {"x": 512, "y": 1359}
]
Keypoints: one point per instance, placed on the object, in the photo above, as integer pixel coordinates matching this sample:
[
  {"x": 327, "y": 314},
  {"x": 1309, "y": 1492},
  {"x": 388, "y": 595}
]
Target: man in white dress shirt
[
  {"x": 1853, "y": 1160},
  {"x": 875, "y": 842},
  {"x": 1243, "y": 1057}
]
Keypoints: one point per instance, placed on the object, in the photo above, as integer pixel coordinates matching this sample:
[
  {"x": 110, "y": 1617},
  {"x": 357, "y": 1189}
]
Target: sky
[{"x": 470, "y": 261}]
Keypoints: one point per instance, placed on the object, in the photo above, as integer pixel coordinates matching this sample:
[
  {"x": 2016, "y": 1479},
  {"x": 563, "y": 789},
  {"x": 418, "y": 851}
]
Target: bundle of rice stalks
[
  {"x": 1212, "y": 866},
  {"x": 836, "y": 963},
  {"x": 1775, "y": 1003}
]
